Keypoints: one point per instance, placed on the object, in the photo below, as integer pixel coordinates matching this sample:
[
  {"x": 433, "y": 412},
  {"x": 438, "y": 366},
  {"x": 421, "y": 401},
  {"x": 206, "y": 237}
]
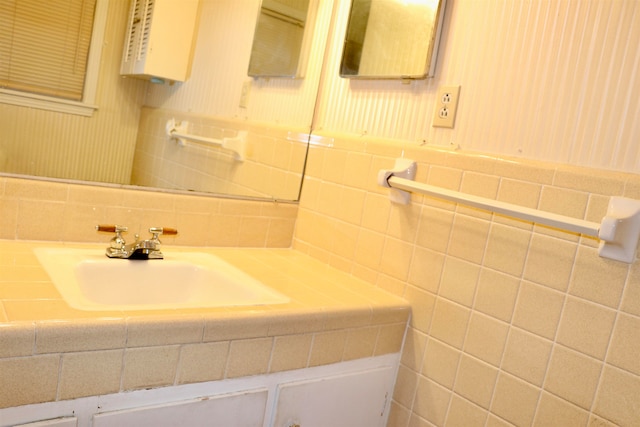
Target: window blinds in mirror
[{"x": 44, "y": 46}]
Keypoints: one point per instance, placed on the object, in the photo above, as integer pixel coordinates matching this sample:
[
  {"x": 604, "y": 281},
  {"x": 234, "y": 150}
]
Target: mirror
[
  {"x": 124, "y": 141},
  {"x": 218, "y": 101},
  {"x": 281, "y": 39},
  {"x": 392, "y": 39}
]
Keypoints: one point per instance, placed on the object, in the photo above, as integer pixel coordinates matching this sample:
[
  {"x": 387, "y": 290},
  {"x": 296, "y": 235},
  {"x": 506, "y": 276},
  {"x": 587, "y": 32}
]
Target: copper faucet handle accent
[
  {"x": 167, "y": 231},
  {"x": 117, "y": 242},
  {"x": 111, "y": 228}
]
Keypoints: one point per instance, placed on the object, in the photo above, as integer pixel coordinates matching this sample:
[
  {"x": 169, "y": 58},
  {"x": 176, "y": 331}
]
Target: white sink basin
[{"x": 88, "y": 280}]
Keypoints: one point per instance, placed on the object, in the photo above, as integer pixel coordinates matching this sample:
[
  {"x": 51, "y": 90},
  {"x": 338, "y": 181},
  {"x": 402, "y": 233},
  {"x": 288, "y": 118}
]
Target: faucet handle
[
  {"x": 118, "y": 241},
  {"x": 156, "y": 231},
  {"x": 111, "y": 228},
  {"x": 163, "y": 230}
]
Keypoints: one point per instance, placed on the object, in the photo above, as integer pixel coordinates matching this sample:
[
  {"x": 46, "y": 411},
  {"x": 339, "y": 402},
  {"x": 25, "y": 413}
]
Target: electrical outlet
[
  {"x": 244, "y": 95},
  {"x": 444, "y": 114}
]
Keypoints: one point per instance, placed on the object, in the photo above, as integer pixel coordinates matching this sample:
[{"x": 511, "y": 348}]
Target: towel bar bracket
[
  {"x": 620, "y": 230},
  {"x": 404, "y": 168}
]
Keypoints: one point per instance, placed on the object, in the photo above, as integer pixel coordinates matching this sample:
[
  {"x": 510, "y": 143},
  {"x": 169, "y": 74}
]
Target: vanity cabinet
[
  {"x": 348, "y": 394},
  {"x": 159, "y": 39},
  {"x": 351, "y": 400},
  {"x": 57, "y": 422},
  {"x": 236, "y": 409}
]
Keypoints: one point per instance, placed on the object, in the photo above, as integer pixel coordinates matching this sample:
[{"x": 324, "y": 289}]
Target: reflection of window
[{"x": 45, "y": 56}]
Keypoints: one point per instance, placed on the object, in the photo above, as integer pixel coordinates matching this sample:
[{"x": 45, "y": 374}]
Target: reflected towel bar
[
  {"x": 238, "y": 144},
  {"x": 618, "y": 232}
]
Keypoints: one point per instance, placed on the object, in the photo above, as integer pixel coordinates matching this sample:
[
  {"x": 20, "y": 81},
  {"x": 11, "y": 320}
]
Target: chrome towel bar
[
  {"x": 179, "y": 131},
  {"x": 618, "y": 232}
]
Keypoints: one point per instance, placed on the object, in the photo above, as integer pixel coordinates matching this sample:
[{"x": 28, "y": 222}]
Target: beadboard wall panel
[
  {"x": 556, "y": 81},
  {"x": 220, "y": 64}
]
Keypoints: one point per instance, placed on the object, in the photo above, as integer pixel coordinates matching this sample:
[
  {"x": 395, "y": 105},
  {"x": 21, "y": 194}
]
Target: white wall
[
  {"x": 550, "y": 80},
  {"x": 220, "y": 66},
  {"x": 556, "y": 81}
]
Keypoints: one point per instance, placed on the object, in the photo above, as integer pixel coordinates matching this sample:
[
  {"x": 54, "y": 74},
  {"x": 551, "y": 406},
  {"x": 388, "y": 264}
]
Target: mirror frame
[{"x": 431, "y": 54}]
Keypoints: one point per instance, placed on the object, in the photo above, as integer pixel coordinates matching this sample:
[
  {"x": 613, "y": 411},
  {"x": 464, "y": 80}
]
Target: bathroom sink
[{"x": 88, "y": 280}]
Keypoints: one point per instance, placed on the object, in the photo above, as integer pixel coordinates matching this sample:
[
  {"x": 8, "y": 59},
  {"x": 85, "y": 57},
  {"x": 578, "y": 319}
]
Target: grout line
[{"x": 608, "y": 347}]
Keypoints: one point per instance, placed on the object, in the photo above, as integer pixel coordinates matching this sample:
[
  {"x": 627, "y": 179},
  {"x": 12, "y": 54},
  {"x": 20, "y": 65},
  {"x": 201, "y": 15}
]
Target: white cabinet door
[
  {"x": 57, "y": 422},
  {"x": 358, "y": 399},
  {"x": 244, "y": 409}
]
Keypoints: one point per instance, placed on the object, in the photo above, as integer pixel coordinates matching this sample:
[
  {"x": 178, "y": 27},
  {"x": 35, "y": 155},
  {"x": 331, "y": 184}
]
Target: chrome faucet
[{"x": 140, "y": 249}]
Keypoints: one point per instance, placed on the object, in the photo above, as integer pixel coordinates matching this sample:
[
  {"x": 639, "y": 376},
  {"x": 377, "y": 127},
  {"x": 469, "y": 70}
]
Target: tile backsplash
[
  {"x": 47, "y": 210},
  {"x": 512, "y": 323}
]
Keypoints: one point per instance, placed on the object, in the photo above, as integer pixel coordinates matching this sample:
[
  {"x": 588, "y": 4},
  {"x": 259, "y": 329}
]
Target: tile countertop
[
  {"x": 35, "y": 320},
  {"x": 28, "y": 295},
  {"x": 48, "y": 350}
]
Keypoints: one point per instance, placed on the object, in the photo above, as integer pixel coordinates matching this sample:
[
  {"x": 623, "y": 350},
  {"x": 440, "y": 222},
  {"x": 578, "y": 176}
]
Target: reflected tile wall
[
  {"x": 272, "y": 169},
  {"x": 45, "y": 210}
]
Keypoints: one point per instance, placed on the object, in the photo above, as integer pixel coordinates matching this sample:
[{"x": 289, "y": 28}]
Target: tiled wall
[
  {"x": 513, "y": 323},
  {"x": 272, "y": 168},
  {"x": 43, "y": 210}
]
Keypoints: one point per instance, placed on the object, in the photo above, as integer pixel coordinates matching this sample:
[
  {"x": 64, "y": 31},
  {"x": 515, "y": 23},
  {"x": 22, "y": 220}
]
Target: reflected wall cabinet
[{"x": 160, "y": 40}]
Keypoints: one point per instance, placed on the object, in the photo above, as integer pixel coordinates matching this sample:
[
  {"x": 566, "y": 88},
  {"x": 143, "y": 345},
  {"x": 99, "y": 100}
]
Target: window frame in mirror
[{"x": 87, "y": 105}]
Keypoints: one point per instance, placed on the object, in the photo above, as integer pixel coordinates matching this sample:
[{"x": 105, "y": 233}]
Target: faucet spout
[
  {"x": 143, "y": 249},
  {"x": 138, "y": 250}
]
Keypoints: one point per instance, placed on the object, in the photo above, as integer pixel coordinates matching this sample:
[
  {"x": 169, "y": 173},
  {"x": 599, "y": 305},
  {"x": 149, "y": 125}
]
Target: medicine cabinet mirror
[
  {"x": 392, "y": 39},
  {"x": 282, "y": 37}
]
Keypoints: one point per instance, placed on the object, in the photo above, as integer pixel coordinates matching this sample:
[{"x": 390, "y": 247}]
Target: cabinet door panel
[
  {"x": 350, "y": 400},
  {"x": 58, "y": 422},
  {"x": 238, "y": 410}
]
